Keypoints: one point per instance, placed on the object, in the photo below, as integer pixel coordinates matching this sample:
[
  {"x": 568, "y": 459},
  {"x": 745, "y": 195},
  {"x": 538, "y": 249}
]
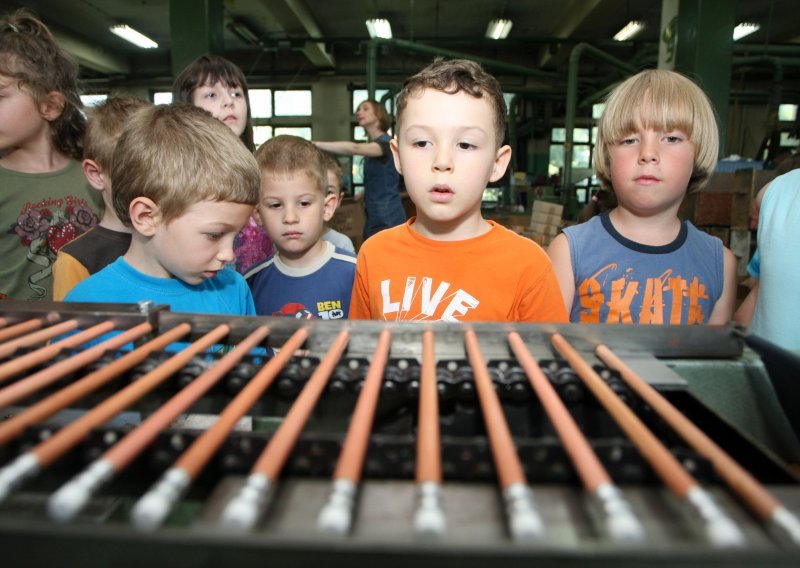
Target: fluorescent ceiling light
[
  {"x": 379, "y": 27},
  {"x": 129, "y": 34},
  {"x": 744, "y": 29},
  {"x": 498, "y": 28},
  {"x": 631, "y": 29}
]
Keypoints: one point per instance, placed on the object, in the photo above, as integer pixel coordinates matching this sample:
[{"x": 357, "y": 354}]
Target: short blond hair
[
  {"x": 663, "y": 100},
  {"x": 178, "y": 155},
  {"x": 286, "y": 155},
  {"x": 105, "y": 126},
  {"x": 332, "y": 165}
]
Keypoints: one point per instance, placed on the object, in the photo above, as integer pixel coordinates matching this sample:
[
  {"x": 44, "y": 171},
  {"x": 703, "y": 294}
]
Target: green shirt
[{"x": 39, "y": 213}]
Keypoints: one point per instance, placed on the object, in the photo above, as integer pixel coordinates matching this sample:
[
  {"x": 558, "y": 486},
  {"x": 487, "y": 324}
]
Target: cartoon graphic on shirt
[
  {"x": 44, "y": 227},
  {"x": 673, "y": 291},
  {"x": 327, "y": 309},
  {"x": 423, "y": 302}
]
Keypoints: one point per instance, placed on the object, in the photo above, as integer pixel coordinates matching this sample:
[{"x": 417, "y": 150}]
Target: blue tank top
[{"x": 620, "y": 281}]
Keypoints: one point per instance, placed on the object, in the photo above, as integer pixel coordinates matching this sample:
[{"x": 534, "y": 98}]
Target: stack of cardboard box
[{"x": 545, "y": 221}]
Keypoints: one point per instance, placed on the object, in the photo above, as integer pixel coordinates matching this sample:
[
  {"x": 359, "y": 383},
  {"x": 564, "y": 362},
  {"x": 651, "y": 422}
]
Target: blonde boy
[
  {"x": 639, "y": 263},
  {"x": 449, "y": 263},
  {"x": 307, "y": 277},
  {"x": 333, "y": 171},
  {"x": 109, "y": 239},
  {"x": 185, "y": 185}
]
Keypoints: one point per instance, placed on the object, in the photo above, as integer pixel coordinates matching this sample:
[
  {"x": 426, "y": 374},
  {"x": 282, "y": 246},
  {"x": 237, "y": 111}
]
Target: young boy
[
  {"x": 449, "y": 263},
  {"x": 334, "y": 173},
  {"x": 109, "y": 239},
  {"x": 639, "y": 263},
  {"x": 307, "y": 277},
  {"x": 185, "y": 185}
]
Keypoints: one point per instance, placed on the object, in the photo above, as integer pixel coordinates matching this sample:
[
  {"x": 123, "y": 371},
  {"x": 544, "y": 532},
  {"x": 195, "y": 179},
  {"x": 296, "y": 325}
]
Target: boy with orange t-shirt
[{"x": 449, "y": 263}]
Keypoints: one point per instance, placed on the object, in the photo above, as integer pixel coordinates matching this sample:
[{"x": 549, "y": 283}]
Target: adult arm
[
  {"x": 349, "y": 148},
  {"x": 723, "y": 309},
  {"x": 562, "y": 265},
  {"x": 744, "y": 313}
]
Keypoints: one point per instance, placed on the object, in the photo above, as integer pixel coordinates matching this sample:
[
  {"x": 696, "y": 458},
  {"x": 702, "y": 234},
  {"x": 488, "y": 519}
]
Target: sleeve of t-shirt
[
  {"x": 359, "y": 301},
  {"x": 543, "y": 302},
  {"x": 67, "y": 272}
]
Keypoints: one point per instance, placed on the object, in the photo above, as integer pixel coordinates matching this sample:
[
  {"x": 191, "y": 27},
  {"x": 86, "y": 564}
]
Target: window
[
  {"x": 583, "y": 141},
  {"x": 280, "y": 111},
  {"x": 787, "y": 112},
  {"x": 162, "y": 97},
  {"x": 93, "y": 100}
]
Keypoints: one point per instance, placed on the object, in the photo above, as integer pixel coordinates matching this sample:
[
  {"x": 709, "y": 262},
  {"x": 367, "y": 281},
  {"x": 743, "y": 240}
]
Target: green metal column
[
  {"x": 196, "y": 28},
  {"x": 704, "y": 51}
]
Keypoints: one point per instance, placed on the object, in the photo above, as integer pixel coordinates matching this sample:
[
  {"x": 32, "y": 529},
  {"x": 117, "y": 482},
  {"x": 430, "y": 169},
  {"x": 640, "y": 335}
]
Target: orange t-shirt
[{"x": 498, "y": 276}]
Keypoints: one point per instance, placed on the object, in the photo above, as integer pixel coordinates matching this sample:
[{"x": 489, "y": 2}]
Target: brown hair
[
  {"x": 383, "y": 116},
  {"x": 212, "y": 69},
  {"x": 105, "y": 126},
  {"x": 287, "y": 155},
  {"x": 664, "y": 100},
  {"x": 178, "y": 155},
  {"x": 452, "y": 76},
  {"x": 30, "y": 54}
]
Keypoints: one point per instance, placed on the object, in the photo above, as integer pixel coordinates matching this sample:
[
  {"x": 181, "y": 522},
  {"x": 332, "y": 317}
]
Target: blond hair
[
  {"x": 333, "y": 165},
  {"x": 453, "y": 76},
  {"x": 662, "y": 100},
  {"x": 287, "y": 155},
  {"x": 178, "y": 155},
  {"x": 105, "y": 126}
]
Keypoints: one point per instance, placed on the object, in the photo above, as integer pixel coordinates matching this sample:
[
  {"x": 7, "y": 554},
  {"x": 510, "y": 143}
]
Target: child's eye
[
  {"x": 627, "y": 141},
  {"x": 305, "y": 203},
  {"x": 214, "y": 236},
  {"x": 466, "y": 146},
  {"x": 673, "y": 138},
  {"x": 420, "y": 144},
  {"x": 237, "y": 94}
]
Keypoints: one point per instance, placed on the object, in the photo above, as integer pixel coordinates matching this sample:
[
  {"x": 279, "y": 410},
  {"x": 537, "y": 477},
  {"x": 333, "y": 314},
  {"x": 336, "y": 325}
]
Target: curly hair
[{"x": 30, "y": 55}]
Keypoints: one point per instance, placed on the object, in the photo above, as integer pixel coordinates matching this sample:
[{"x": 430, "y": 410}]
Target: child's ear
[
  {"x": 501, "y": 159},
  {"x": 395, "y": 154},
  {"x": 257, "y": 218},
  {"x": 329, "y": 206},
  {"x": 145, "y": 216},
  {"x": 94, "y": 173},
  {"x": 52, "y": 105}
]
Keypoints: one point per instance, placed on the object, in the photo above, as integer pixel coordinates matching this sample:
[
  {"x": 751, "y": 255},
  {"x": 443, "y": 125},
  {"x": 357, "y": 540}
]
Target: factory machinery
[{"x": 132, "y": 435}]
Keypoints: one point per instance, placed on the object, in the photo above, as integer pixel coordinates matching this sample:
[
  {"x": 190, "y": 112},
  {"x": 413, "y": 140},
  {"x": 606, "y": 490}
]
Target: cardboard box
[
  {"x": 539, "y": 218},
  {"x": 547, "y": 207},
  {"x": 349, "y": 218},
  {"x": 544, "y": 229}
]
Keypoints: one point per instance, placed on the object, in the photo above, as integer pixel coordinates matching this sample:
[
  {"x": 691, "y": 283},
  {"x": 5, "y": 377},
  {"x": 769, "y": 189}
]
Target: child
[
  {"x": 449, "y": 263},
  {"x": 639, "y": 263},
  {"x": 45, "y": 200},
  {"x": 108, "y": 240},
  {"x": 307, "y": 277},
  {"x": 219, "y": 86},
  {"x": 333, "y": 171},
  {"x": 185, "y": 185}
]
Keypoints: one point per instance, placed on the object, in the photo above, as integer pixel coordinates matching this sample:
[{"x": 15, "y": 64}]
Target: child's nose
[{"x": 443, "y": 159}]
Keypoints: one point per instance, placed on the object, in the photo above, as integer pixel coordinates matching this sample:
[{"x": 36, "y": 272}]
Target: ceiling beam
[
  {"x": 579, "y": 11},
  {"x": 296, "y": 19},
  {"x": 89, "y": 55}
]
